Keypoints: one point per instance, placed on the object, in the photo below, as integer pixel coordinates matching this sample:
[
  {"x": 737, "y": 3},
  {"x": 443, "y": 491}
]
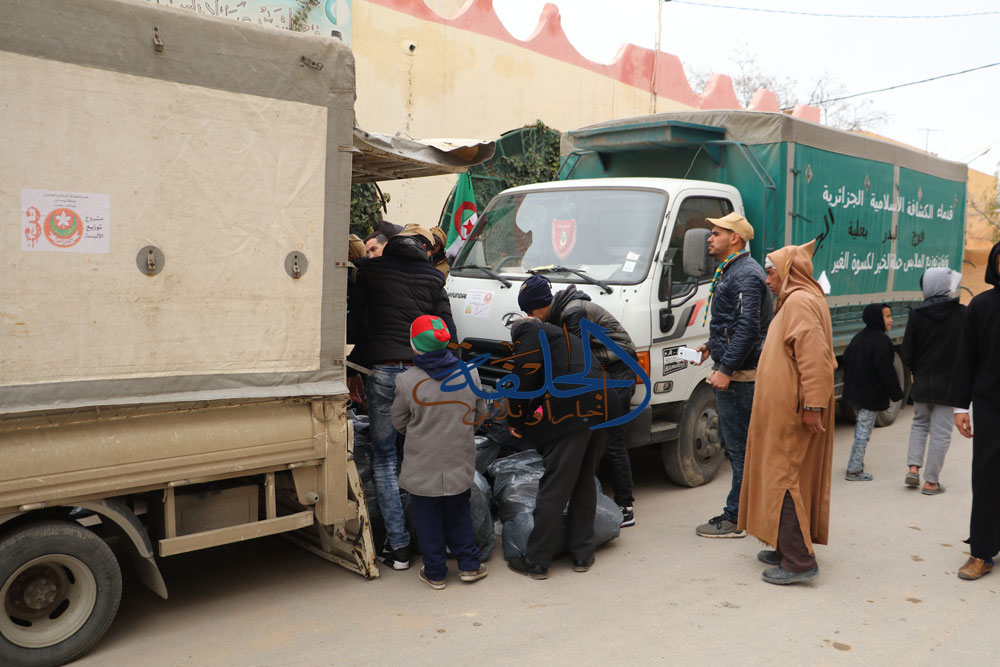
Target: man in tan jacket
[{"x": 785, "y": 497}]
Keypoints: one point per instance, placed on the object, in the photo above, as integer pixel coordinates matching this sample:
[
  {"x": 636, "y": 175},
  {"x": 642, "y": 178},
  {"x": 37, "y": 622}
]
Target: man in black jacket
[
  {"x": 391, "y": 291},
  {"x": 566, "y": 309},
  {"x": 977, "y": 379},
  {"x": 560, "y": 430},
  {"x": 741, "y": 311},
  {"x": 930, "y": 346}
]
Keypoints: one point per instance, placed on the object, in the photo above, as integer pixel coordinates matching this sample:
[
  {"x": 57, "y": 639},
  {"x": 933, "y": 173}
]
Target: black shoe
[
  {"x": 584, "y": 564},
  {"x": 769, "y": 557},
  {"x": 781, "y": 576},
  {"x": 628, "y": 515},
  {"x": 397, "y": 559},
  {"x": 522, "y": 565}
]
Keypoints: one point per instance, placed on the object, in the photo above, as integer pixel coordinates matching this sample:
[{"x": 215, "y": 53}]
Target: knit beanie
[
  {"x": 428, "y": 333},
  {"x": 535, "y": 293}
]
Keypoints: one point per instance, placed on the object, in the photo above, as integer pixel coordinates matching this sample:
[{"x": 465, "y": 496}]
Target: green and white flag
[{"x": 463, "y": 216}]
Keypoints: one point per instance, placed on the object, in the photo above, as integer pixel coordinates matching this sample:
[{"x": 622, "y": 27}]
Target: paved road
[{"x": 887, "y": 593}]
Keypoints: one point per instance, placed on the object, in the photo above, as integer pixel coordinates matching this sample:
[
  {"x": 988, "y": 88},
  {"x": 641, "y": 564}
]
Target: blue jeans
[
  {"x": 380, "y": 388},
  {"x": 445, "y": 521},
  {"x": 862, "y": 433},
  {"x": 734, "y": 421}
]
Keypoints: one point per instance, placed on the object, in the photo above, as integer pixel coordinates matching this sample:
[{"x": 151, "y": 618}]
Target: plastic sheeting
[{"x": 515, "y": 488}]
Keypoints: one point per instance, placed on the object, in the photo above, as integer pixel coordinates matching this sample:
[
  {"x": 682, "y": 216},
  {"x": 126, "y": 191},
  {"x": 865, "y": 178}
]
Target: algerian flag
[{"x": 463, "y": 216}]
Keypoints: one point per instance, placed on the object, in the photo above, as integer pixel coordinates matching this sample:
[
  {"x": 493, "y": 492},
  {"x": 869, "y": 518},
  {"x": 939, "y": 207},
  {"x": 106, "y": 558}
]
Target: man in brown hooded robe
[{"x": 785, "y": 497}]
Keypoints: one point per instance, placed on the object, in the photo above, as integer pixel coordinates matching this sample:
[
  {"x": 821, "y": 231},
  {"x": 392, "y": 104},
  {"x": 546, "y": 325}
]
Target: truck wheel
[
  {"x": 61, "y": 585},
  {"x": 695, "y": 457},
  {"x": 888, "y": 416}
]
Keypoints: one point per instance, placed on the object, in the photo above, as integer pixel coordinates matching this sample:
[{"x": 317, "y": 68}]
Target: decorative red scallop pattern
[{"x": 633, "y": 65}]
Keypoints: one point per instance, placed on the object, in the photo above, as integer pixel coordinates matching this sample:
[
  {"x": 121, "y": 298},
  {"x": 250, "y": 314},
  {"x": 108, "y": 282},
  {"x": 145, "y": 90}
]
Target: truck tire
[
  {"x": 695, "y": 457},
  {"x": 60, "y": 585},
  {"x": 888, "y": 416}
]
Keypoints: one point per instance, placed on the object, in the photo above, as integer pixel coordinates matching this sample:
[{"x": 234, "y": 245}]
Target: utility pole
[
  {"x": 656, "y": 55},
  {"x": 927, "y": 139}
]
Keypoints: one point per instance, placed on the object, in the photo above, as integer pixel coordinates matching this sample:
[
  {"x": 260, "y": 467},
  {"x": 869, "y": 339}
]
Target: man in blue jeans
[
  {"x": 392, "y": 290},
  {"x": 741, "y": 311}
]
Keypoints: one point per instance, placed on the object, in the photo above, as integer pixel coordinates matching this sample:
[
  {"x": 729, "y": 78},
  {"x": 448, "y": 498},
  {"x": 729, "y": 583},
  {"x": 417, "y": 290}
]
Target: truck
[
  {"x": 174, "y": 297},
  {"x": 625, "y": 222}
]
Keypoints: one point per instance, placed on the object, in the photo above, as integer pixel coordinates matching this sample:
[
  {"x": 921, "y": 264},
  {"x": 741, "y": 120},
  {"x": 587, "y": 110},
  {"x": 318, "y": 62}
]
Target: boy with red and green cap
[{"x": 439, "y": 456}]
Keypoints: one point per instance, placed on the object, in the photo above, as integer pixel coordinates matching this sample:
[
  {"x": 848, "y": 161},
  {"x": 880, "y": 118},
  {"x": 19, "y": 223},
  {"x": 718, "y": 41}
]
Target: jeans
[
  {"x": 380, "y": 387},
  {"x": 862, "y": 433},
  {"x": 936, "y": 421},
  {"x": 445, "y": 521},
  {"x": 616, "y": 456},
  {"x": 734, "y": 420}
]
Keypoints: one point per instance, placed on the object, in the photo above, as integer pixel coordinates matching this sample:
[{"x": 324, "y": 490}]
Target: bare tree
[{"x": 748, "y": 77}]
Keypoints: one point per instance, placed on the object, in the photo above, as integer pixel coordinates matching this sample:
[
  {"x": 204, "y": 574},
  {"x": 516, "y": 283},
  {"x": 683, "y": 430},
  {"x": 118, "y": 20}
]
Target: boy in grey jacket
[{"x": 439, "y": 455}]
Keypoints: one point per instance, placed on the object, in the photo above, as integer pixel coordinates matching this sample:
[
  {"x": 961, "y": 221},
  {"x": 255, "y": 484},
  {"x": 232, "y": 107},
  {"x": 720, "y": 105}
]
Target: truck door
[{"x": 695, "y": 456}]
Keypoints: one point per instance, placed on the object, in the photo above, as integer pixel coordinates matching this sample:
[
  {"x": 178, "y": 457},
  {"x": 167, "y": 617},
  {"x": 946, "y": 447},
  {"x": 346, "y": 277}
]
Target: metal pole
[{"x": 656, "y": 56}]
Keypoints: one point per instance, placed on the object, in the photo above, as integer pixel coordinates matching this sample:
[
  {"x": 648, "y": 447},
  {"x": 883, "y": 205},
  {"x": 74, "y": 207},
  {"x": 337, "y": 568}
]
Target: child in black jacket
[{"x": 870, "y": 381}]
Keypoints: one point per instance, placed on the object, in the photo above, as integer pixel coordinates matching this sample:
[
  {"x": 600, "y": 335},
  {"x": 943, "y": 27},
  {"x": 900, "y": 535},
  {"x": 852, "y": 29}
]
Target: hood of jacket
[
  {"x": 873, "y": 317},
  {"x": 795, "y": 271},
  {"x": 992, "y": 273},
  {"x": 562, "y": 298},
  {"x": 406, "y": 247}
]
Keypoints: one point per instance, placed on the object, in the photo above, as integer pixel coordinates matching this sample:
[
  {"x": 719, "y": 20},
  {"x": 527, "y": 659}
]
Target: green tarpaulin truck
[
  {"x": 173, "y": 293},
  {"x": 629, "y": 191}
]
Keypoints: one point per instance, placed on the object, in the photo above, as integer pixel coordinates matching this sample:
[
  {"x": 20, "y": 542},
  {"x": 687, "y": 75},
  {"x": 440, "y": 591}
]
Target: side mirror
[{"x": 697, "y": 261}]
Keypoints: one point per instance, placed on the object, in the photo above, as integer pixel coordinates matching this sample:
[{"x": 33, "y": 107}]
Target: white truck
[{"x": 626, "y": 223}]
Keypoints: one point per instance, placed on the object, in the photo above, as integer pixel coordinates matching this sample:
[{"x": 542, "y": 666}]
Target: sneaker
[
  {"x": 522, "y": 565},
  {"x": 769, "y": 557},
  {"x": 584, "y": 564},
  {"x": 436, "y": 584},
  {"x": 781, "y": 576},
  {"x": 628, "y": 516},
  {"x": 468, "y": 576},
  {"x": 397, "y": 559},
  {"x": 719, "y": 526}
]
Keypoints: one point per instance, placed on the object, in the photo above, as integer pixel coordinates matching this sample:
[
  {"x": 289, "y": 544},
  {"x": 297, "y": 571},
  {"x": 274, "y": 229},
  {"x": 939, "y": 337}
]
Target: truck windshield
[{"x": 608, "y": 233}]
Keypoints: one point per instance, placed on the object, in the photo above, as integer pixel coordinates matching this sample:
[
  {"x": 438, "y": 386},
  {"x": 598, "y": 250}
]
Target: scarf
[
  {"x": 436, "y": 364},
  {"x": 715, "y": 279}
]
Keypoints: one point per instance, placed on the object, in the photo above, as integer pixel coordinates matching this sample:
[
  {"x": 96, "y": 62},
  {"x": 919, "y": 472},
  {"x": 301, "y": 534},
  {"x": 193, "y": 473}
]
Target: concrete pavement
[{"x": 887, "y": 592}]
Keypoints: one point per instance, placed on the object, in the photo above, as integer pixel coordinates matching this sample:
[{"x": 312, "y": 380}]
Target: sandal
[
  {"x": 933, "y": 492},
  {"x": 913, "y": 479},
  {"x": 859, "y": 477}
]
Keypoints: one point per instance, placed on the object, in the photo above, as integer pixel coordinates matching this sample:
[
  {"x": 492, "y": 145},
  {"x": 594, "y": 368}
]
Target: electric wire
[{"x": 836, "y": 16}]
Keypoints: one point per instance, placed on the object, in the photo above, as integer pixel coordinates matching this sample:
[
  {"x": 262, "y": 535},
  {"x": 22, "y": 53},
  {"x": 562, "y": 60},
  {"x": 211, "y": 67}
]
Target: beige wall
[{"x": 456, "y": 83}]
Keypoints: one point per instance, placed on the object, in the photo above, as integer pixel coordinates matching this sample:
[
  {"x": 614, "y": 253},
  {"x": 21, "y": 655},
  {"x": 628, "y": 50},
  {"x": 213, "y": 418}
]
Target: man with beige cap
[{"x": 741, "y": 311}]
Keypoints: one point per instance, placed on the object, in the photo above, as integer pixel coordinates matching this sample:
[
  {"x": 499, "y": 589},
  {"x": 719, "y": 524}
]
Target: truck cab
[{"x": 622, "y": 242}]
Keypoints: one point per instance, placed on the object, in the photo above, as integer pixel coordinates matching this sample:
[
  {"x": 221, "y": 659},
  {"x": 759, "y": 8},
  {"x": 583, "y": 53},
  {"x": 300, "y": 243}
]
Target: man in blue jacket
[{"x": 741, "y": 311}]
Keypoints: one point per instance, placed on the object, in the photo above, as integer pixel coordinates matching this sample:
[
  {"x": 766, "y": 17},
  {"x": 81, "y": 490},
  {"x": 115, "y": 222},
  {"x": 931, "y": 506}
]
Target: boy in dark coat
[
  {"x": 930, "y": 346},
  {"x": 560, "y": 428},
  {"x": 439, "y": 462},
  {"x": 977, "y": 379},
  {"x": 870, "y": 381}
]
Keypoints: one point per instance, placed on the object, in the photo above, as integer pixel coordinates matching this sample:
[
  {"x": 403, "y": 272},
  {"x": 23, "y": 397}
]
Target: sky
[{"x": 863, "y": 54}]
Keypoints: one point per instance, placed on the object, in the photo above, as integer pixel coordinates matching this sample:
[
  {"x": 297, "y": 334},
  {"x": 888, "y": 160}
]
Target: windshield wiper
[
  {"x": 491, "y": 274},
  {"x": 562, "y": 269}
]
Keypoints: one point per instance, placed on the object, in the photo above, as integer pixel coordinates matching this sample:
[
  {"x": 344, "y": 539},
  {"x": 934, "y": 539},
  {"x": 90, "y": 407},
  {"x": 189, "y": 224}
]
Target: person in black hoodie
[
  {"x": 560, "y": 428},
  {"x": 565, "y": 309},
  {"x": 977, "y": 379},
  {"x": 391, "y": 291},
  {"x": 930, "y": 346},
  {"x": 870, "y": 381}
]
